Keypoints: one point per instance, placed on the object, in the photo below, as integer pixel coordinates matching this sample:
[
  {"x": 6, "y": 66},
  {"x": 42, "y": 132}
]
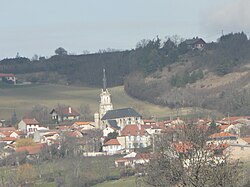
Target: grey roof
[
  {"x": 194, "y": 41},
  {"x": 120, "y": 113},
  {"x": 113, "y": 124}
]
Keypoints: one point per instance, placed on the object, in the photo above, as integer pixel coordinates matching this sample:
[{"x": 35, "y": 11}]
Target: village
[{"x": 121, "y": 132}]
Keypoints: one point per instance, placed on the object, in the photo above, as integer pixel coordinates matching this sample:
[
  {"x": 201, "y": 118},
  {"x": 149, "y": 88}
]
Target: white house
[
  {"x": 112, "y": 147},
  {"x": 132, "y": 159},
  {"x": 28, "y": 126},
  {"x": 135, "y": 136},
  {"x": 46, "y": 136},
  {"x": 83, "y": 125},
  {"x": 223, "y": 138}
]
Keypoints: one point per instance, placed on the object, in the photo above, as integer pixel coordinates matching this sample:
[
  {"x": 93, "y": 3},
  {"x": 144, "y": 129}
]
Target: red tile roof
[
  {"x": 7, "y": 133},
  {"x": 29, "y": 121},
  {"x": 31, "y": 149},
  {"x": 182, "y": 147},
  {"x": 4, "y": 129},
  {"x": 133, "y": 130},
  {"x": 20, "y": 132},
  {"x": 65, "y": 111},
  {"x": 6, "y": 75},
  {"x": 222, "y": 134},
  {"x": 112, "y": 142},
  {"x": 75, "y": 134},
  {"x": 8, "y": 139},
  {"x": 82, "y": 123},
  {"x": 223, "y": 127}
]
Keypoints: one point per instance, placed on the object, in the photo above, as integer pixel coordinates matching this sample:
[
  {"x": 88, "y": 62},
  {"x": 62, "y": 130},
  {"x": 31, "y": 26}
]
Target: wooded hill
[{"x": 162, "y": 72}]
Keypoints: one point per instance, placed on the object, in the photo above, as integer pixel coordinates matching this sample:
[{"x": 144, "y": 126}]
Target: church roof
[
  {"x": 113, "y": 124},
  {"x": 120, "y": 113}
]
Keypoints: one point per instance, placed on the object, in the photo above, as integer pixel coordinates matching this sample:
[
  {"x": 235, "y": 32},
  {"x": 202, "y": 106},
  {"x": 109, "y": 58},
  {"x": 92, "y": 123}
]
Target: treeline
[{"x": 148, "y": 57}]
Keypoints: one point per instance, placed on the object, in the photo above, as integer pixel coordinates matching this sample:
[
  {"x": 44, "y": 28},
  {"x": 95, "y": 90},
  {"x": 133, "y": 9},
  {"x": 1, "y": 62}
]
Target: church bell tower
[{"x": 105, "y": 103}]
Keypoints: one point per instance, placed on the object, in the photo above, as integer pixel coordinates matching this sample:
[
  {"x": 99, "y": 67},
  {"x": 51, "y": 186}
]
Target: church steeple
[{"x": 104, "y": 80}]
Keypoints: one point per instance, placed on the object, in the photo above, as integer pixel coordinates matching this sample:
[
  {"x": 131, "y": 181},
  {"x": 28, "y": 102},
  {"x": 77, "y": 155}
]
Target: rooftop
[{"x": 120, "y": 113}]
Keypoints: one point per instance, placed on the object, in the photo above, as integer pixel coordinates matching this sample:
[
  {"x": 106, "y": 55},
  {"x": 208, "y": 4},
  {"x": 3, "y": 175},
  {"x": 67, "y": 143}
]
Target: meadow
[{"x": 23, "y": 98}]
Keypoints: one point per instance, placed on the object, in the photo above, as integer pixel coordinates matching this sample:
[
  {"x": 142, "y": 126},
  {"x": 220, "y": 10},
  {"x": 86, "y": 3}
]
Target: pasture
[{"x": 23, "y": 98}]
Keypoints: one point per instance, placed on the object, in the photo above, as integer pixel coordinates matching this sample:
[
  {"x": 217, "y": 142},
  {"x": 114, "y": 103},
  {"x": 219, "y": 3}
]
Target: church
[{"x": 114, "y": 118}]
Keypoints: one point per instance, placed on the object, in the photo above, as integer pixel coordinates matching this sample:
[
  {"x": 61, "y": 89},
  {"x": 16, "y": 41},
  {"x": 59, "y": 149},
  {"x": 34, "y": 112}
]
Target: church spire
[{"x": 104, "y": 80}]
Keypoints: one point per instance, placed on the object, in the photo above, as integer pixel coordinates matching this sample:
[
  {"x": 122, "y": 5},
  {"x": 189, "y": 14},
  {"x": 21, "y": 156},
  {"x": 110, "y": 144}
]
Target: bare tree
[
  {"x": 191, "y": 161},
  {"x": 86, "y": 113}
]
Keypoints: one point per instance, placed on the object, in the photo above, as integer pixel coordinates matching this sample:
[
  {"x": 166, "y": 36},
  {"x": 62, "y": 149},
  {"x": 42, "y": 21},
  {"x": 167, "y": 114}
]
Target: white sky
[{"x": 40, "y": 26}]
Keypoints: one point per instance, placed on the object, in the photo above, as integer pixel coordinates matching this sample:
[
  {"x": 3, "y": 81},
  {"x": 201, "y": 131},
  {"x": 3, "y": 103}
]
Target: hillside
[
  {"x": 216, "y": 77},
  {"x": 168, "y": 73},
  {"x": 23, "y": 98}
]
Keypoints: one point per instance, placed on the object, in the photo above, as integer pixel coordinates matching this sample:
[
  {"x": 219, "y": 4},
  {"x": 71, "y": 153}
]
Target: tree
[
  {"x": 14, "y": 118},
  {"x": 190, "y": 161},
  {"x": 35, "y": 57},
  {"x": 112, "y": 135},
  {"x": 61, "y": 51},
  {"x": 25, "y": 142},
  {"x": 40, "y": 113},
  {"x": 86, "y": 113},
  {"x": 213, "y": 128}
]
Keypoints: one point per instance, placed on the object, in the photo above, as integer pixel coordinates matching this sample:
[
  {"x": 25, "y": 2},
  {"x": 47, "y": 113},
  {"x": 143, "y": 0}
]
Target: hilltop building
[{"x": 195, "y": 43}]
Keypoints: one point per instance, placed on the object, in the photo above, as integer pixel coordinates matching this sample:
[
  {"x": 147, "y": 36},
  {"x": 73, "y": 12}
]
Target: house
[
  {"x": 134, "y": 136},
  {"x": 108, "y": 130},
  {"x": 31, "y": 150},
  {"x": 9, "y": 78},
  {"x": 12, "y": 134},
  {"x": 62, "y": 113},
  {"x": 74, "y": 134},
  {"x": 6, "y": 129},
  {"x": 223, "y": 137},
  {"x": 82, "y": 125},
  {"x": 132, "y": 159},
  {"x": 28, "y": 126},
  {"x": 46, "y": 136},
  {"x": 195, "y": 43},
  {"x": 8, "y": 140},
  {"x": 112, "y": 147},
  {"x": 121, "y": 117},
  {"x": 230, "y": 128}
]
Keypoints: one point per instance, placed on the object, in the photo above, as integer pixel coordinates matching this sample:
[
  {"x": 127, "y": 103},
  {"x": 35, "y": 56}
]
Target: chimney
[
  {"x": 139, "y": 126},
  {"x": 70, "y": 110}
]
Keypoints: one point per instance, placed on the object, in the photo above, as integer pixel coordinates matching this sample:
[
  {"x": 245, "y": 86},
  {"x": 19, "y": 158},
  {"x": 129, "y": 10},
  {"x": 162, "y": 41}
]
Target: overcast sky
[{"x": 40, "y": 26}]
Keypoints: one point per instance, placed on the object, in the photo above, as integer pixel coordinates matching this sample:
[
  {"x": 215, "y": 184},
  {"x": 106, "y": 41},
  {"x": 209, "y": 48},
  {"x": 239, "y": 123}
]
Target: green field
[
  {"x": 124, "y": 182},
  {"x": 23, "y": 98}
]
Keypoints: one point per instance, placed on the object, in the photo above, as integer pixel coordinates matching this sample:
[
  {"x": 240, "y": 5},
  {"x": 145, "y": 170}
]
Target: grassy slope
[
  {"x": 22, "y": 98},
  {"x": 124, "y": 182}
]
